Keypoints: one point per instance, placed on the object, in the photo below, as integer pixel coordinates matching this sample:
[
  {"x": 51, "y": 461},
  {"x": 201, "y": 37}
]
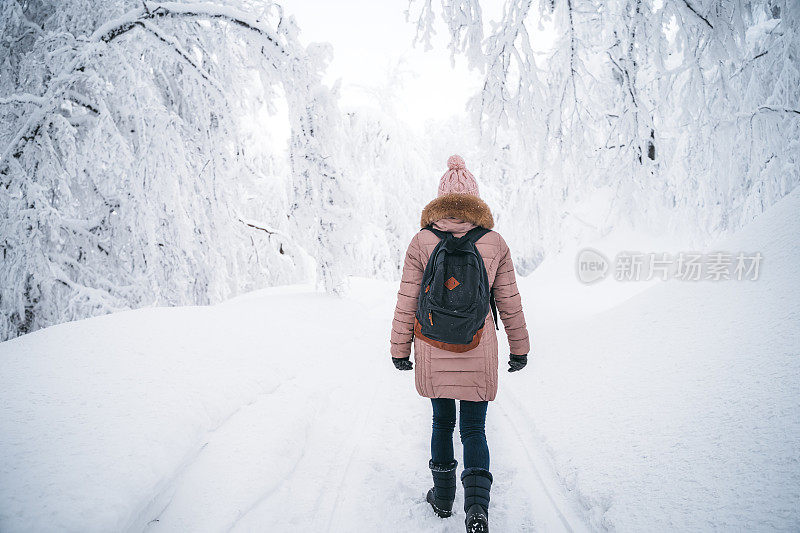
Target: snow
[
  {"x": 680, "y": 408},
  {"x": 277, "y": 407},
  {"x": 674, "y": 408}
]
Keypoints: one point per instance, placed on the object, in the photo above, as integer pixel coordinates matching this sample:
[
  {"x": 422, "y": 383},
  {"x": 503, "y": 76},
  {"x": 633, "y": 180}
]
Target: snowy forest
[
  {"x": 134, "y": 174},
  {"x": 212, "y": 268}
]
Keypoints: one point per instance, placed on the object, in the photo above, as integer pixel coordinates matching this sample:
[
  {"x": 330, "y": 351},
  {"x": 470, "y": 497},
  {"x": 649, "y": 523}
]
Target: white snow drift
[{"x": 678, "y": 409}]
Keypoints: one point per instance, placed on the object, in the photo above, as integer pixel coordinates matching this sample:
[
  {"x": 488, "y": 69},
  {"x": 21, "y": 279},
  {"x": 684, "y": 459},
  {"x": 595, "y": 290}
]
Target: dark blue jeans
[{"x": 471, "y": 426}]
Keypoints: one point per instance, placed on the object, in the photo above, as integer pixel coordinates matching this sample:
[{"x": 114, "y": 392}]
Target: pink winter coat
[{"x": 470, "y": 375}]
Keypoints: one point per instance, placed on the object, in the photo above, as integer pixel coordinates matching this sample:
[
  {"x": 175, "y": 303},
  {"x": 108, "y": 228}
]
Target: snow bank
[
  {"x": 679, "y": 409},
  {"x": 277, "y": 410},
  {"x": 99, "y": 417},
  {"x": 676, "y": 409}
]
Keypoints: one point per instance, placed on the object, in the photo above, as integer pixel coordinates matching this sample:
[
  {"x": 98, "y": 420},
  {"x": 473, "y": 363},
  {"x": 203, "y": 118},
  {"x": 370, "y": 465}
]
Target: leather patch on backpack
[
  {"x": 457, "y": 348},
  {"x": 451, "y": 283}
]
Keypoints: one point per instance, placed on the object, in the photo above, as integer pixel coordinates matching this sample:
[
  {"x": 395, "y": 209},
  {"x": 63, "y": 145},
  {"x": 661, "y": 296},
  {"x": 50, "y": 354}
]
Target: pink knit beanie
[{"x": 457, "y": 179}]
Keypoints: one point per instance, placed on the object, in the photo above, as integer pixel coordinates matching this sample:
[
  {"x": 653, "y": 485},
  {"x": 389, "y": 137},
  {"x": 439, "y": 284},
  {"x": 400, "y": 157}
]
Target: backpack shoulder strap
[
  {"x": 438, "y": 233},
  {"x": 493, "y": 305},
  {"x": 475, "y": 233}
]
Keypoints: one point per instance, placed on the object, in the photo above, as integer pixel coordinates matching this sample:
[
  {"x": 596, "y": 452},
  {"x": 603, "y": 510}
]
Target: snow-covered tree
[
  {"x": 123, "y": 177},
  {"x": 680, "y": 114}
]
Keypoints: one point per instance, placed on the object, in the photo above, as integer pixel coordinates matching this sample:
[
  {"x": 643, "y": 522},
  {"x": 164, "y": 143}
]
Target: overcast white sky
[{"x": 370, "y": 39}]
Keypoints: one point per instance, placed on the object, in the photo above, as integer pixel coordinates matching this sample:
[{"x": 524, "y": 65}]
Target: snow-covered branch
[
  {"x": 637, "y": 98},
  {"x": 122, "y": 169},
  {"x": 140, "y": 18},
  {"x": 200, "y": 10},
  {"x": 21, "y": 99},
  {"x": 698, "y": 15}
]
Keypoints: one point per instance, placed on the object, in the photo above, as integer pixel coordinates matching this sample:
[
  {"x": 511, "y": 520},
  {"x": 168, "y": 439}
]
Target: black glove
[
  {"x": 402, "y": 363},
  {"x": 517, "y": 362}
]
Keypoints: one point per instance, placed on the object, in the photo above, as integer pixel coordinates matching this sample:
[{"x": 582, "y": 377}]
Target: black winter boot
[
  {"x": 477, "y": 485},
  {"x": 443, "y": 493}
]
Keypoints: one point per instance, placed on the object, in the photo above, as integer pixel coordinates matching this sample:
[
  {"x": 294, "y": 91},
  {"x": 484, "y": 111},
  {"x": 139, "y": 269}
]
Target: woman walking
[{"x": 456, "y": 357}]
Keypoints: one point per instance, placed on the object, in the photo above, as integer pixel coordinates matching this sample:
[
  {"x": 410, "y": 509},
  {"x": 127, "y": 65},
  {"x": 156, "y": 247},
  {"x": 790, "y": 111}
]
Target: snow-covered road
[
  {"x": 343, "y": 446},
  {"x": 231, "y": 418},
  {"x": 674, "y": 409}
]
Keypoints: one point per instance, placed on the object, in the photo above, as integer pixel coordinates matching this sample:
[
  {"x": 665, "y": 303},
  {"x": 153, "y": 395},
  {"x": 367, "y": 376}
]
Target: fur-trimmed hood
[{"x": 464, "y": 206}]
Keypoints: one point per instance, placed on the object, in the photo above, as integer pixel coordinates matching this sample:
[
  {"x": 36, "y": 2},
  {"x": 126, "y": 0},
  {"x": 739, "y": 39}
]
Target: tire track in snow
[
  {"x": 358, "y": 441},
  {"x": 169, "y": 486},
  {"x": 272, "y": 488},
  {"x": 337, "y": 471},
  {"x": 313, "y": 494},
  {"x": 549, "y": 484},
  {"x": 291, "y": 486},
  {"x": 338, "y": 476}
]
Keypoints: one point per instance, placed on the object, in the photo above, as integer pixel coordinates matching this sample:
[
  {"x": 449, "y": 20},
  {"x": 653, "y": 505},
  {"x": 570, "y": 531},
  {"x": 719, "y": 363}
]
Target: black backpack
[{"x": 454, "y": 297}]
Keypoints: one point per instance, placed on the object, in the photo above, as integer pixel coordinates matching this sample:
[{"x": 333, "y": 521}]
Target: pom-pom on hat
[{"x": 457, "y": 179}]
